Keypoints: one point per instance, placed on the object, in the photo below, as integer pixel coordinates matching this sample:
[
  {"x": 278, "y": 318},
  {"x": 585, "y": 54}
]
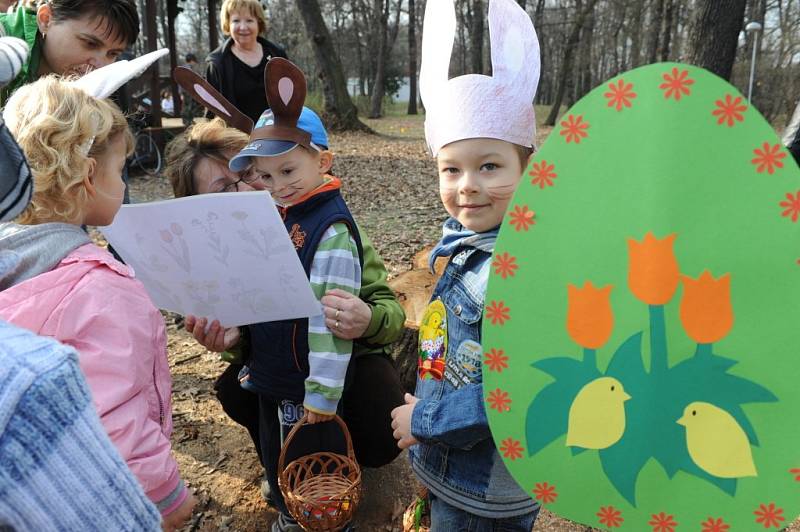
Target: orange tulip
[
  {"x": 706, "y": 311},
  {"x": 653, "y": 270},
  {"x": 589, "y": 316}
]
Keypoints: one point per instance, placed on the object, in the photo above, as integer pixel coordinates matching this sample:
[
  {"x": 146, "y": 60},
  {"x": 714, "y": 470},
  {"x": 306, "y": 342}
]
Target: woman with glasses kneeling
[{"x": 197, "y": 163}]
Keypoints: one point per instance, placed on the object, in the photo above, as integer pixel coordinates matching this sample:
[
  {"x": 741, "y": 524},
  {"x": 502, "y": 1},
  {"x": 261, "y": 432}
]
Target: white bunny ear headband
[
  {"x": 477, "y": 106},
  {"x": 104, "y": 82}
]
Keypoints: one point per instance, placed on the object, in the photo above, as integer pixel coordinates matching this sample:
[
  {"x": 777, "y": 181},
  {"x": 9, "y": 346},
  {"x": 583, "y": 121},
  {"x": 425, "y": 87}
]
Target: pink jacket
[{"x": 93, "y": 303}]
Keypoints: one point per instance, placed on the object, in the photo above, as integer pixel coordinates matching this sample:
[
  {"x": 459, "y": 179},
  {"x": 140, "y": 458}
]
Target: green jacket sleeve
[
  {"x": 388, "y": 317},
  {"x": 21, "y": 23}
]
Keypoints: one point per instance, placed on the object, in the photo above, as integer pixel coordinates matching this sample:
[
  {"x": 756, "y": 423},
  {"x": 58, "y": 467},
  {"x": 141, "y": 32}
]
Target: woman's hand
[
  {"x": 216, "y": 338},
  {"x": 346, "y": 315}
]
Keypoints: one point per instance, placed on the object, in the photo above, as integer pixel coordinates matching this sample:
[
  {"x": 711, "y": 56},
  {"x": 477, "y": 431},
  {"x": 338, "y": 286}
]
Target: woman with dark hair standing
[
  {"x": 70, "y": 37},
  {"x": 236, "y": 69}
]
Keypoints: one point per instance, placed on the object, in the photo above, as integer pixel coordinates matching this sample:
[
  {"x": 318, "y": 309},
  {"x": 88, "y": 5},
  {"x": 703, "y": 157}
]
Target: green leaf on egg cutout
[{"x": 642, "y": 313}]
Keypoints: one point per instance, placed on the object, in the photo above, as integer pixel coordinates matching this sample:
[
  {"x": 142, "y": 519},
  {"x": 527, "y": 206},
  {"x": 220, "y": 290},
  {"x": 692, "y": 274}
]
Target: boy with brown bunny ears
[{"x": 297, "y": 367}]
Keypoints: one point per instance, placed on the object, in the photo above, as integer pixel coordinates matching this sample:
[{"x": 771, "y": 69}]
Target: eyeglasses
[{"x": 248, "y": 177}]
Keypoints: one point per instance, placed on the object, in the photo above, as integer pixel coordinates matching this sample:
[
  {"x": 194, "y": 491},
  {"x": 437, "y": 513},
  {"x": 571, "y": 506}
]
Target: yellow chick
[
  {"x": 716, "y": 442},
  {"x": 597, "y": 414}
]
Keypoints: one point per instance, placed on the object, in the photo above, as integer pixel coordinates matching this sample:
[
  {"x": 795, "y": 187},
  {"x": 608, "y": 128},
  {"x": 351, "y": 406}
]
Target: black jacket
[
  {"x": 794, "y": 146},
  {"x": 219, "y": 66}
]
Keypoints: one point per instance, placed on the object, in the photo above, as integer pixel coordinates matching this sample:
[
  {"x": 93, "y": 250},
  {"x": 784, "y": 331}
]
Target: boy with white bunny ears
[{"x": 480, "y": 129}]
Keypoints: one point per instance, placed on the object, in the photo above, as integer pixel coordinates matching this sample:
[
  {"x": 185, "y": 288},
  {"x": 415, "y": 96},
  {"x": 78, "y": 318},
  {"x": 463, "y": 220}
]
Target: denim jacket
[{"x": 457, "y": 458}]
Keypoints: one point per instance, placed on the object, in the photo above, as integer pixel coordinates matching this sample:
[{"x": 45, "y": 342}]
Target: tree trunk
[
  {"x": 412, "y": 58},
  {"x": 636, "y": 34},
  {"x": 655, "y": 31},
  {"x": 172, "y": 13},
  {"x": 213, "y": 35},
  {"x": 340, "y": 114},
  {"x": 713, "y": 35},
  {"x": 566, "y": 63},
  {"x": 669, "y": 14},
  {"x": 152, "y": 45},
  {"x": 476, "y": 37},
  {"x": 381, "y": 12},
  {"x": 584, "y": 83}
]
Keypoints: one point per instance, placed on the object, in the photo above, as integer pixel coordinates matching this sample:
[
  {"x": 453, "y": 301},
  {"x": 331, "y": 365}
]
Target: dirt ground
[{"x": 390, "y": 185}]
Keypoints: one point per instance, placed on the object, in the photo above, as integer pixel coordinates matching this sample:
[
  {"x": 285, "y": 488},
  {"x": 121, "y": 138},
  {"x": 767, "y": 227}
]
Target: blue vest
[{"x": 279, "y": 349}]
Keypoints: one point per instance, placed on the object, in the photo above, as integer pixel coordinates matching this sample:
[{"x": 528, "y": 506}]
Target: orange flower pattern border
[{"x": 676, "y": 84}]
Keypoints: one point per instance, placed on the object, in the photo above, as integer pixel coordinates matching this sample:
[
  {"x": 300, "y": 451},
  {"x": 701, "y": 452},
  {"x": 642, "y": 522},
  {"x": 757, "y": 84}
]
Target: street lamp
[{"x": 754, "y": 28}]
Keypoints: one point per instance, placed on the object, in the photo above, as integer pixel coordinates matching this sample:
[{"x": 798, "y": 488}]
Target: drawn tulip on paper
[{"x": 177, "y": 247}]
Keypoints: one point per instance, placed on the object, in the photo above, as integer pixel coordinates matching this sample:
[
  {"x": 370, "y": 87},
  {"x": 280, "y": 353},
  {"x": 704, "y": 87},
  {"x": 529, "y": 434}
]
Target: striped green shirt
[{"x": 335, "y": 265}]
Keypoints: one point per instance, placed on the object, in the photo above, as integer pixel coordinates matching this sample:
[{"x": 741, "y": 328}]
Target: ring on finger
[
  {"x": 336, "y": 325},
  {"x": 336, "y": 316}
]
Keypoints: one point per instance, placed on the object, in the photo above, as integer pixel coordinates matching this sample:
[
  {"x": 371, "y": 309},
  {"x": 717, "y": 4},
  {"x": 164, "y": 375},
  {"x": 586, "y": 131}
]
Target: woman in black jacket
[{"x": 236, "y": 69}]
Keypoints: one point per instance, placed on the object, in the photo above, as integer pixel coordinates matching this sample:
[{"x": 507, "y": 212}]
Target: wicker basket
[
  {"x": 417, "y": 517},
  {"x": 321, "y": 490}
]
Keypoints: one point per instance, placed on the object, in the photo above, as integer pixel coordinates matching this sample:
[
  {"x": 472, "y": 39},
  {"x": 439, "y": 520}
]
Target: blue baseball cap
[{"x": 308, "y": 121}]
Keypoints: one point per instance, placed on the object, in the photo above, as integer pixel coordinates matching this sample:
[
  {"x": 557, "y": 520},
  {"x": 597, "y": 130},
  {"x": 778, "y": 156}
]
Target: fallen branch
[{"x": 187, "y": 359}]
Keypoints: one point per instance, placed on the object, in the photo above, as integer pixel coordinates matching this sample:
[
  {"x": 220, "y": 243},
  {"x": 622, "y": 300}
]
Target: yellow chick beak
[
  {"x": 625, "y": 396},
  {"x": 681, "y": 421}
]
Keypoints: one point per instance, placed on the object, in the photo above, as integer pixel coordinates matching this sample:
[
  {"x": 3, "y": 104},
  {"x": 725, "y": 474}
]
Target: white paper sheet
[{"x": 224, "y": 256}]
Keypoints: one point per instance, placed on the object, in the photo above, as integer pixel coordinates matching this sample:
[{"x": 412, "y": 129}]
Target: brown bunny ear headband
[
  {"x": 203, "y": 93},
  {"x": 277, "y": 130},
  {"x": 286, "y": 93}
]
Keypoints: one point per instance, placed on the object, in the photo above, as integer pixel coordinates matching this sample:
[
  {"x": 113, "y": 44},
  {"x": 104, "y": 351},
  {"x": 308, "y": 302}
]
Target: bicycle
[{"x": 146, "y": 154}]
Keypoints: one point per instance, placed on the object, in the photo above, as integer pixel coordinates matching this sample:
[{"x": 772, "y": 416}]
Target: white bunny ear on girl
[
  {"x": 474, "y": 105},
  {"x": 104, "y": 82}
]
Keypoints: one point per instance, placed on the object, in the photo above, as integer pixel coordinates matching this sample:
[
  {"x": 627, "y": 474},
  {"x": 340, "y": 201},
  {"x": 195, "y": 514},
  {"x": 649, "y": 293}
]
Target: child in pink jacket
[{"x": 62, "y": 286}]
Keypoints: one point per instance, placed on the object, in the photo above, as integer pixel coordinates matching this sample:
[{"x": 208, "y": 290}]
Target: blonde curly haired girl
[
  {"x": 62, "y": 286},
  {"x": 74, "y": 143}
]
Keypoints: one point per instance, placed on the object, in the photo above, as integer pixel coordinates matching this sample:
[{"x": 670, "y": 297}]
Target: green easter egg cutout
[{"x": 641, "y": 330}]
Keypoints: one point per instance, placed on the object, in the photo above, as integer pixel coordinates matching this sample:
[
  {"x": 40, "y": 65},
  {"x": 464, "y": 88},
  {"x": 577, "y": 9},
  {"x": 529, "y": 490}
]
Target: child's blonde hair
[{"x": 59, "y": 127}]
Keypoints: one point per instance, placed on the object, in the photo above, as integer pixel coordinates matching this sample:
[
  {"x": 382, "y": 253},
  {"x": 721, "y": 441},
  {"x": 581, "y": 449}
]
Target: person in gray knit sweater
[{"x": 58, "y": 468}]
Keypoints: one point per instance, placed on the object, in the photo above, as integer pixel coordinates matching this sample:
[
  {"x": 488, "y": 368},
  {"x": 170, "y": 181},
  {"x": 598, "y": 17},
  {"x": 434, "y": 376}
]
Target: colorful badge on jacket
[
  {"x": 433, "y": 341},
  {"x": 640, "y": 336}
]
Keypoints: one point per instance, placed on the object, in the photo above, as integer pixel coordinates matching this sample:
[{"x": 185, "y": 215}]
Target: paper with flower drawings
[
  {"x": 640, "y": 337},
  {"x": 225, "y": 256}
]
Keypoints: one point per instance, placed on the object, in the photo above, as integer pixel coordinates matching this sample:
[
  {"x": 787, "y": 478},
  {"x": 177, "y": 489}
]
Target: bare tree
[
  {"x": 714, "y": 33},
  {"x": 656, "y": 20},
  {"x": 569, "y": 54},
  {"x": 476, "y": 21},
  {"x": 412, "y": 57},
  {"x": 340, "y": 112},
  {"x": 380, "y": 10}
]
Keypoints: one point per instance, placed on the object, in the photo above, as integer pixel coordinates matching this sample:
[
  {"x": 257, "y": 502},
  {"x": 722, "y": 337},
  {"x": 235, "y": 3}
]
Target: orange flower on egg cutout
[
  {"x": 590, "y": 319},
  {"x": 653, "y": 269},
  {"x": 706, "y": 311}
]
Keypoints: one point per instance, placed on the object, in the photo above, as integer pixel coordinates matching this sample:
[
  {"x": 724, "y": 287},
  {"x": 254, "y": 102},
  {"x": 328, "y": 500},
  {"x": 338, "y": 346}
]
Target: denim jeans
[{"x": 447, "y": 518}]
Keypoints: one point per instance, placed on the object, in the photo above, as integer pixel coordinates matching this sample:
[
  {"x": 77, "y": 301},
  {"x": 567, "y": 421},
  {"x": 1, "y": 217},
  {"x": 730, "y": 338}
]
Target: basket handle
[{"x": 303, "y": 421}]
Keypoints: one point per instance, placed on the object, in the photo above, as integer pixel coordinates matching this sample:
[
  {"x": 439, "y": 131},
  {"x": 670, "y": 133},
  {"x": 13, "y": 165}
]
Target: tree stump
[{"x": 413, "y": 289}]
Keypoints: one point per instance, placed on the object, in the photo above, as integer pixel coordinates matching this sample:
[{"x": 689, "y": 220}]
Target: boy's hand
[
  {"x": 313, "y": 417},
  {"x": 217, "y": 338},
  {"x": 176, "y": 519},
  {"x": 401, "y": 422}
]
